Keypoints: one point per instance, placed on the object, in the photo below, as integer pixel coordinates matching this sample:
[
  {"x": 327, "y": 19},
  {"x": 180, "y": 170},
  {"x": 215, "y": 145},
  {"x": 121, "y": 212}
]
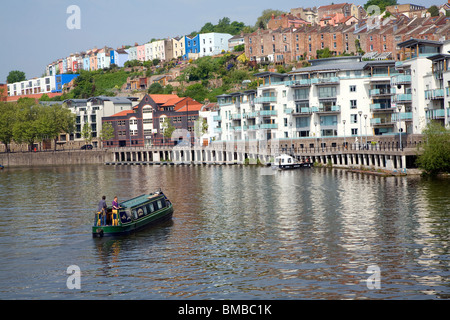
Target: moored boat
[
  {"x": 134, "y": 214},
  {"x": 287, "y": 162}
]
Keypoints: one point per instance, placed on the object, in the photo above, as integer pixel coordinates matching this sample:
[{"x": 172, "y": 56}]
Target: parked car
[{"x": 87, "y": 147}]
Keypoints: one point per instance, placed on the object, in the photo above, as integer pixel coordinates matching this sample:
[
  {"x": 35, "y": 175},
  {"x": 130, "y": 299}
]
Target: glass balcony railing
[
  {"x": 434, "y": 94},
  {"x": 268, "y": 126},
  {"x": 265, "y": 99},
  {"x": 404, "y": 116},
  {"x": 401, "y": 79},
  {"x": 268, "y": 113},
  {"x": 217, "y": 118}
]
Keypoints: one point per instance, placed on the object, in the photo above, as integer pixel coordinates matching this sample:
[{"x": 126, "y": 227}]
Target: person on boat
[
  {"x": 102, "y": 207},
  {"x": 115, "y": 204}
]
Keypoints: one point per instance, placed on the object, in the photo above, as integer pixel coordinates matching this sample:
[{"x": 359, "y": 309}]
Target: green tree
[
  {"x": 54, "y": 120},
  {"x": 435, "y": 157},
  {"x": 7, "y": 120},
  {"x": 433, "y": 10},
  {"x": 167, "y": 127},
  {"x": 86, "y": 133},
  {"x": 324, "y": 53},
  {"x": 26, "y": 128},
  {"x": 15, "y": 76},
  {"x": 266, "y": 15},
  {"x": 155, "y": 88},
  {"x": 107, "y": 132}
]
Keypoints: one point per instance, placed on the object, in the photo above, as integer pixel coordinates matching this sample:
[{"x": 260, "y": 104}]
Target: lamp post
[
  {"x": 360, "y": 129},
  {"x": 365, "y": 126},
  {"x": 343, "y": 121},
  {"x": 315, "y": 132},
  {"x": 399, "y": 127}
]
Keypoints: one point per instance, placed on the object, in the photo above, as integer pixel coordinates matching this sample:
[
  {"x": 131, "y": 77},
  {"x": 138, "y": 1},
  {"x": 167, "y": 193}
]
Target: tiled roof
[
  {"x": 162, "y": 98},
  {"x": 122, "y": 113}
]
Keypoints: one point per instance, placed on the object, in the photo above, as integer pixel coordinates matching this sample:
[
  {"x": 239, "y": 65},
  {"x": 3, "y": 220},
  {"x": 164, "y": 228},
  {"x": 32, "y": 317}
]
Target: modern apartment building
[
  {"x": 49, "y": 84},
  {"x": 91, "y": 111},
  {"x": 334, "y": 97}
]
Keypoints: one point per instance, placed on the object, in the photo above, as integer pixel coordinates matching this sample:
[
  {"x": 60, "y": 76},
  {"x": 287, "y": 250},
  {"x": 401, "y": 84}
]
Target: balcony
[
  {"x": 329, "y": 109},
  {"x": 268, "y": 126},
  {"x": 253, "y": 127},
  {"x": 304, "y": 111},
  {"x": 402, "y": 97},
  {"x": 381, "y": 92},
  {"x": 268, "y": 113},
  {"x": 250, "y": 115},
  {"x": 265, "y": 99},
  {"x": 434, "y": 94},
  {"x": 381, "y": 122},
  {"x": 404, "y": 116},
  {"x": 218, "y": 130},
  {"x": 325, "y": 81},
  {"x": 236, "y": 116},
  {"x": 381, "y": 107},
  {"x": 436, "y": 114},
  {"x": 401, "y": 79},
  {"x": 299, "y": 83},
  {"x": 217, "y": 118}
]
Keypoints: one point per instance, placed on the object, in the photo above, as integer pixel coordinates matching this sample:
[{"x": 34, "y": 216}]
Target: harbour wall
[{"x": 54, "y": 158}]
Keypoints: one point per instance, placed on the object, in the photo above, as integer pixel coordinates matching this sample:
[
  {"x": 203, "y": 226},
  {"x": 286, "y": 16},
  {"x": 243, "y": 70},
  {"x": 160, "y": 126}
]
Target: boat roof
[{"x": 138, "y": 200}]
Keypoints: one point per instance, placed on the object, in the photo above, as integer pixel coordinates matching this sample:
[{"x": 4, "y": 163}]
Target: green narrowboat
[{"x": 134, "y": 214}]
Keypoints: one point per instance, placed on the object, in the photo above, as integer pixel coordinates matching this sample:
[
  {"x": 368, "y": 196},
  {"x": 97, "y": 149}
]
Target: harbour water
[{"x": 237, "y": 233}]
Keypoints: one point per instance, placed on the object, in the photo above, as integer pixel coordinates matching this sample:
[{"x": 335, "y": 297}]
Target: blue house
[
  {"x": 192, "y": 45},
  {"x": 62, "y": 79},
  {"x": 118, "y": 57}
]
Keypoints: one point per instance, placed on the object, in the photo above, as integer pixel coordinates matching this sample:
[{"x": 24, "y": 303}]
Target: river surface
[{"x": 237, "y": 233}]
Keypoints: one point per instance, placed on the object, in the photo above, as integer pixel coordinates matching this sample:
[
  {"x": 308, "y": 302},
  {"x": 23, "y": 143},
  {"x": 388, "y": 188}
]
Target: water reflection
[{"x": 235, "y": 234}]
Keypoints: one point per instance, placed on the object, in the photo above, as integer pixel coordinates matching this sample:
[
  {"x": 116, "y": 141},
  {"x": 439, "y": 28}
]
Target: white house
[{"x": 213, "y": 43}]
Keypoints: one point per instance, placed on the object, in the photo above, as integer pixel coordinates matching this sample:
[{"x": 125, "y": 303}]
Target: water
[{"x": 237, "y": 233}]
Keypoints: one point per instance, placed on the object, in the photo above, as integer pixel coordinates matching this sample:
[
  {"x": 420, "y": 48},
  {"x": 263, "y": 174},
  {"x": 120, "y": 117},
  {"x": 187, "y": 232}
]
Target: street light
[
  {"x": 365, "y": 126},
  {"x": 360, "y": 129},
  {"x": 315, "y": 132},
  {"x": 399, "y": 126},
  {"x": 343, "y": 121}
]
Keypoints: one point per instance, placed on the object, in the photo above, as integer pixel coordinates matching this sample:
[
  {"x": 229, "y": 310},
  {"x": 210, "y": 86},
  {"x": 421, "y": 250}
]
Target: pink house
[
  {"x": 93, "y": 60},
  {"x": 140, "y": 52}
]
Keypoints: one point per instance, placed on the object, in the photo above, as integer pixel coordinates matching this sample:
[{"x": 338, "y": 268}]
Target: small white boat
[{"x": 287, "y": 162}]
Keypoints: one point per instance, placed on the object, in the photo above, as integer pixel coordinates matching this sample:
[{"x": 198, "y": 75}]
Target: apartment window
[
  {"x": 296, "y": 37},
  {"x": 262, "y": 49},
  {"x": 309, "y": 47},
  {"x": 285, "y": 49},
  {"x": 346, "y": 36},
  {"x": 322, "y": 45},
  {"x": 321, "y": 36},
  {"x": 250, "y": 40},
  {"x": 354, "y": 118},
  {"x": 327, "y": 92},
  {"x": 352, "y": 104},
  {"x": 354, "y": 132},
  {"x": 334, "y": 36},
  {"x": 352, "y": 88},
  {"x": 273, "y": 48},
  {"x": 273, "y": 38},
  {"x": 301, "y": 94},
  {"x": 334, "y": 45}
]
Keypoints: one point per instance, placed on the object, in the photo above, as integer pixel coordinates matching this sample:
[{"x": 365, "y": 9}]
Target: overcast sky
[{"x": 35, "y": 33}]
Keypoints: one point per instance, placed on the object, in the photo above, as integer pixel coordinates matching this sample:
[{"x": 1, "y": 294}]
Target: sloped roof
[
  {"x": 162, "y": 98},
  {"x": 122, "y": 113}
]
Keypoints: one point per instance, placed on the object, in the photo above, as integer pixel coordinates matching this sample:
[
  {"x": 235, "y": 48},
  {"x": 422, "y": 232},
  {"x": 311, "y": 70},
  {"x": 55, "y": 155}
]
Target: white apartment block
[
  {"x": 334, "y": 97},
  {"x": 344, "y": 97},
  {"x": 33, "y": 86}
]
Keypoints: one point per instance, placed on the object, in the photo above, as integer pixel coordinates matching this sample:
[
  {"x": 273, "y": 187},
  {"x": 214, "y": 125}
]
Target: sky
[{"x": 35, "y": 32}]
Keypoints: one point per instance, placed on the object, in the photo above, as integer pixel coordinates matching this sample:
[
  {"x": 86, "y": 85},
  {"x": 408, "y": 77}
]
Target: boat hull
[
  {"x": 164, "y": 214},
  {"x": 291, "y": 166}
]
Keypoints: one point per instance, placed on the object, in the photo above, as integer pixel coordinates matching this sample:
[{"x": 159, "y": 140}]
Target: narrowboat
[
  {"x": 134, "y": 214},
  {"x": 287, "y": 162}
]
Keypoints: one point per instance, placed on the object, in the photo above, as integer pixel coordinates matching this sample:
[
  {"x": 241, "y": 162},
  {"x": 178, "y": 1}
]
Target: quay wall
[{"x": 54, "y": 158}]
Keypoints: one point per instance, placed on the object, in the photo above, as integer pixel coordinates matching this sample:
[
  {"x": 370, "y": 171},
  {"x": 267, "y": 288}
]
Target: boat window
[
  {"x": 145, "y": 210},
  {"x": 159, "y": 204},
  {"x": 289, "y": 160},
  {"x": 124, "y": 216},
  {"x": 150, "y": 207},
  {"x": 134, "y": 213},
  {"x": 140, "y": 212}
]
